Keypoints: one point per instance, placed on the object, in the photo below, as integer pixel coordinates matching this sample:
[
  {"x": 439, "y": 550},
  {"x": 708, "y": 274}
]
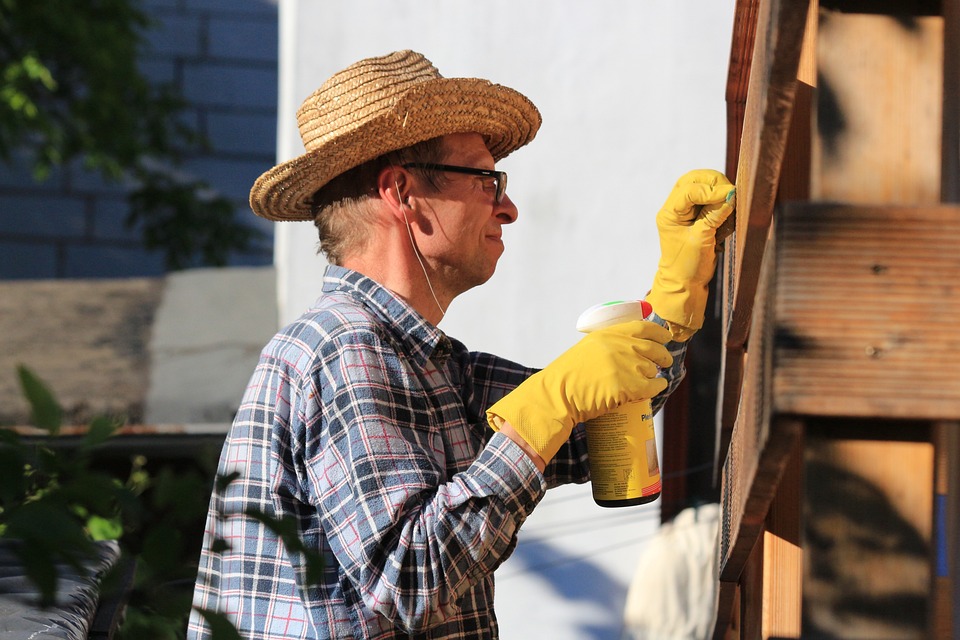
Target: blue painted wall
[{"x": 222, "y": 55}]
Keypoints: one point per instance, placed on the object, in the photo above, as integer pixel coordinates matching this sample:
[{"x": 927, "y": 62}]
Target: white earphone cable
[{"x": 416, "y": 252}]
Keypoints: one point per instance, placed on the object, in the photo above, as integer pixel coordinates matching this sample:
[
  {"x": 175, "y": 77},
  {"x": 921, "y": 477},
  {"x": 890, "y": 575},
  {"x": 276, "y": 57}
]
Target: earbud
[{"x": 400, "y": 201}]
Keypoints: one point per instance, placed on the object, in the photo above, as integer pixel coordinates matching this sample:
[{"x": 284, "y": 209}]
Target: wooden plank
[
  {"x": 759, "y": 446},
  {"x": 751, "y": 594},
  {"x": 728, "y": 604},
  {"x": 755, "y": 488},
  {"x": 941, "y": 622},
  {"x": 738, "y": 83},
  {"x": 865, "y": 311},
  {"x": 773, "y": 81},
  {"x": 748, "y": 437},
  {"x": 950, "y": 179},
  {"x": 791, "y": 171},
  {"x": 783, "y": 557},
  {"x": 953, "y": 522},
  {"x": 880, "y": 99}
]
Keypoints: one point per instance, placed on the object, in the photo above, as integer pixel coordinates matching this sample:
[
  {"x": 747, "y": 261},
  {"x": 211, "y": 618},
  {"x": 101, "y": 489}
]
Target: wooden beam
[
  {"x": 947, "y": 446},
  {"x": 775, "y": 156},
  {"x": 783, "y": 556},
  {"x": 751, "y": 489},
  {"x": 728, "y": 605},
  {"x": 751, "y": 593},
  {"x": 738, "y": 83},
  {"x": 773, "y": 81},
  {"x": 863, "y": 295},
  {"x": 950, "y": 179}
]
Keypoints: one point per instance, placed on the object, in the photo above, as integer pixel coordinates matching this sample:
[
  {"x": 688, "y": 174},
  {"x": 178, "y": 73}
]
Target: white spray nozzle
[{"x": 600, "y": 316}]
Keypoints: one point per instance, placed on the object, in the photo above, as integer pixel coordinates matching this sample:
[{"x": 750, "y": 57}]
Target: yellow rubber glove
[
  {"x": 603, "y": 370},
  {"x": 699, "y": 203}
]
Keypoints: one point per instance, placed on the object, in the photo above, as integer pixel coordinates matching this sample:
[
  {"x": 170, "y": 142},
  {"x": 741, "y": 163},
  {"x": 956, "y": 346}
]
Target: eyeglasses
[{"x": 499, "y": 177}]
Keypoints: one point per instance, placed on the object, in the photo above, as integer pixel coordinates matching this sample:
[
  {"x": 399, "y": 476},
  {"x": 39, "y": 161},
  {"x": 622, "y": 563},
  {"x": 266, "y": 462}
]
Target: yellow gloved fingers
[
  {"x": 643, "y": 386},
  {"x": 652, "y": 348},
  {"x": 699, "y": 202},
  {"x": 648, "y": 368},
  {"x": 694, "y": 190},
  {"x": 605, "y": 369},
  {"x": 646, "y": 340},
  {"x": 639, "y": 360},
  {"x": 715, "y": 214}
]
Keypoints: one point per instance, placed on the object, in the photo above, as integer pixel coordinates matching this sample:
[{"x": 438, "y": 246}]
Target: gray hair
[{"x": 342, "y": 209}]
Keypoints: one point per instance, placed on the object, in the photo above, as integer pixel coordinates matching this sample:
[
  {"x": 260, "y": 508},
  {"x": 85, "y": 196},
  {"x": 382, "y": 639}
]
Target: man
[{"x": 407, "y": 462}]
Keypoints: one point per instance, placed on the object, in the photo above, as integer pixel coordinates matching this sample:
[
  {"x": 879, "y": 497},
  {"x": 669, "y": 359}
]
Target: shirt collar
[{"x": 422, "y": 340}]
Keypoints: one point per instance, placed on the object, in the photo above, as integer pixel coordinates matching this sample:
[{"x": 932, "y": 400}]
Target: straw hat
[{"x": 383, "y": 104}]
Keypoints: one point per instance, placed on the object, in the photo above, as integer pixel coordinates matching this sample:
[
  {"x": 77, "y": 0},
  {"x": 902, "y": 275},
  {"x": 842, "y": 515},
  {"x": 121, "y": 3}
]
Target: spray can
[{"x": 624, "y": 467}]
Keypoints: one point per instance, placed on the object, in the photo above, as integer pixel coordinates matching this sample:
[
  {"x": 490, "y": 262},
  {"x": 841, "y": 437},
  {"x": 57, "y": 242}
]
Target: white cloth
[{"x": 673, "y": 594}]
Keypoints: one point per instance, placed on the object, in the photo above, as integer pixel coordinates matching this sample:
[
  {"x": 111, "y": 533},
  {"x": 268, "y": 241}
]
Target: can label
[{"x": 623, "y": 454}]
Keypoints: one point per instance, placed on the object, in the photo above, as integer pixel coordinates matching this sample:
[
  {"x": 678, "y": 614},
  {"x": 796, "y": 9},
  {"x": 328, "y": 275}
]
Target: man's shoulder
[{"x": 335, "y": 318}]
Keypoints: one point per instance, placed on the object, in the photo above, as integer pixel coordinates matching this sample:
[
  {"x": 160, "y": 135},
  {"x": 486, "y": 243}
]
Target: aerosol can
[{"x": 624, "y": 468}]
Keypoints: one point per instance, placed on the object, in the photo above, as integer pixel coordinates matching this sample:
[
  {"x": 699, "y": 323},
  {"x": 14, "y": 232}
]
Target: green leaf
[
  {"x": 99, "y": 430},
  {"x": 39, "y": 566},
  {"x": 161, "y": 548},
  {"x": 35, "y": 70},
  {"x": 219, "y": 546},
  {"x": 101, "y": 528},
  {"x": 224, "y": 481},
  {"x": 13, "y": 482},
  {"x": 47, "y": 413}
]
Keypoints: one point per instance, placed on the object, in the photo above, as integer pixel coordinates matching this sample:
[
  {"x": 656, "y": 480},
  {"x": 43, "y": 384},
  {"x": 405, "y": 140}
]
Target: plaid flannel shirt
[{"x": 364, "y": 425}]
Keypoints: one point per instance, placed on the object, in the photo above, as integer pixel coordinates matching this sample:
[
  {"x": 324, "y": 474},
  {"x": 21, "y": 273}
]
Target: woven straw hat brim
[{"x": 504, "y": 117}]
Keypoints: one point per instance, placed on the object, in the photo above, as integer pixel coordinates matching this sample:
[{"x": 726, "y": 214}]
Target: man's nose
[{"x": 507, "y": 212}]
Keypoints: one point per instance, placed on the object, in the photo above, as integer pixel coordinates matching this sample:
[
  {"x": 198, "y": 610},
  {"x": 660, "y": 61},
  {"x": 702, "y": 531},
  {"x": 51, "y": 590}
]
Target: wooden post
[{"x": 783, "y": 556}]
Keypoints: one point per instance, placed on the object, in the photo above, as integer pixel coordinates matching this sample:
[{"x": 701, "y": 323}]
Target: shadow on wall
[
  {"x": 575, "y": 580},
  {"x": 867, "y": 568}
]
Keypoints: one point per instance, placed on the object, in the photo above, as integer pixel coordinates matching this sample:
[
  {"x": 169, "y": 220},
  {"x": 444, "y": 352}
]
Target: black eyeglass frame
[{"x": 499, "y": 177}]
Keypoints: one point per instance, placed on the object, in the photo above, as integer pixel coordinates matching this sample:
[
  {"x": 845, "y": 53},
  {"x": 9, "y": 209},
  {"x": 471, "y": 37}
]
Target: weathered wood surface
[
  {"x": 866, "y": 308},
  {"x": 769, "y": 106},
  {"x": 778, "y": 41},
  {"x": 868, "y": 514},
  {"x": 88, "y": 339},
  {"x": 863, "y": 309},
  {"x": 783, "y": 554},
  {"x": 879, "y": 112},
  {"x": 950, "y": 167},
  {"x": 760, "y": 446}
]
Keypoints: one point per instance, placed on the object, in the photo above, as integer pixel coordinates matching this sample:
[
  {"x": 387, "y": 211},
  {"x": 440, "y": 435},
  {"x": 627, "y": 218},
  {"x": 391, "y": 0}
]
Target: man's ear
[{"x": 393, "y": 185}]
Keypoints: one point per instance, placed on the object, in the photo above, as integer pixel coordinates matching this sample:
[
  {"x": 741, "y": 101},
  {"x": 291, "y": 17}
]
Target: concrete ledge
[
  {"x": 87, "y": 339},
  {"x": 173, "y": 350}
]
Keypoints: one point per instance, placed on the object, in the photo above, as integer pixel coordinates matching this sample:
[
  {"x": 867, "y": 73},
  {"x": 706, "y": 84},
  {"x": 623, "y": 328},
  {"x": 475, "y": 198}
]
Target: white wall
[{"x": 632, "y": 96}]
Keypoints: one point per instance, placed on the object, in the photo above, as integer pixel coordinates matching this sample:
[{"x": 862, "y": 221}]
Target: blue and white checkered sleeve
[
  {"x": 675, "y": 373},
  {"x": 409, "y": 539}
]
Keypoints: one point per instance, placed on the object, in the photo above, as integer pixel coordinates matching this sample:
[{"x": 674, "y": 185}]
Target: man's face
[{"x": 462, "y": 224}]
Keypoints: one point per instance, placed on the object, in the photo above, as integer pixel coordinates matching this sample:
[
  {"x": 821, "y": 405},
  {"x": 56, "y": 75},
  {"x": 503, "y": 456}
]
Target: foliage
[
  {"x": 71, "y": 89},
  {"x": 56, "y": 499},
  {"x": 55, "y": 504},
  {"x": 58, "y": 496}
]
